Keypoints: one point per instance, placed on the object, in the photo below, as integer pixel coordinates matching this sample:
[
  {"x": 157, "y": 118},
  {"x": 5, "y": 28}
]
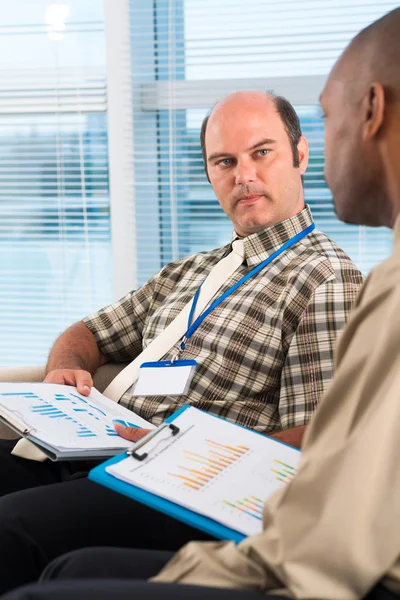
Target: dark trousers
[
  {"x": 119, "y": 573},
  {"x": 105, "y": 573},
  {"x": 116, "y": 563},
  {"x": 63, "y": 511}
]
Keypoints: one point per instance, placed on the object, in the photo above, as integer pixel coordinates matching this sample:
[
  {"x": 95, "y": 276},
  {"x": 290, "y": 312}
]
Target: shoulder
[
  {"x": 320, "y": 260},
  {"x": 383, "y": 280},
  {"x": 320, "y": 277}
]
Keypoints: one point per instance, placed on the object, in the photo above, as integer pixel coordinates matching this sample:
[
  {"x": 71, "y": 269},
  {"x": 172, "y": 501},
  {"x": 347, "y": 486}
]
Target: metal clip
[
  {"x": 133, "y": 450},
  {"x": 182, "y": 346},
  {"x": 175, "y": 356}
]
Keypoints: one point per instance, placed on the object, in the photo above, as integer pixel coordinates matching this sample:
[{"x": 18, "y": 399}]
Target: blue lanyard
[{"x": 192, "y": 327}]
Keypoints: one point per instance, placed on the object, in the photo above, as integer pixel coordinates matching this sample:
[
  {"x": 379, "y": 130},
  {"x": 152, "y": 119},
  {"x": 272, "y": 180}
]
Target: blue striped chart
[
  {"x": 68, "y": 408},
  {"x": 46, "y": 409}
]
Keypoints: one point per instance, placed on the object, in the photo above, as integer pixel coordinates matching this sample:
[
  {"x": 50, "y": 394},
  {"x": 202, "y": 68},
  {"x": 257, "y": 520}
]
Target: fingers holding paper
[
  {"x": 132, "y": 434},
  {"x": 82, "y": 380}
]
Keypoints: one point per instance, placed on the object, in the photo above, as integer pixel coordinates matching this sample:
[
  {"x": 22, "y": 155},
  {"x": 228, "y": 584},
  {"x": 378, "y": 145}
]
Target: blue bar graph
[
  {"x": 24, "y": 394},
  {"x": 110, "y": 431},
  {"x": 48, "y": 410},
  {"x": 75, "y": 404}
]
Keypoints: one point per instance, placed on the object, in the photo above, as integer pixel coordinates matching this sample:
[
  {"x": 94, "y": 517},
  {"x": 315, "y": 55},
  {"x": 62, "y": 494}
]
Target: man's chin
[
  {"x": 245, "y": 229},
  {"x": 354, "y": 217}
]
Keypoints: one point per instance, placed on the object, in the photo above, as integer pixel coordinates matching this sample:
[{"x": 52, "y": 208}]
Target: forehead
[{"x": 237, "y": 124}]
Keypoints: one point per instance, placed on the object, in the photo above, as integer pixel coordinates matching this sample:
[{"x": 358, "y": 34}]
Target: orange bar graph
[
  {"x": 207, "y": 468},
  {"x": 186, "y": 478},
  {"x": 206, "y": 460},
  {"x": 236, "y": 450},
  {"x": 213, "y": 471},
  {"x": 225, "y": 459},
  {"x": 192, "y": 486},
  {"x": 199, "y": 474},
  {"x": 211, "y": 463}
]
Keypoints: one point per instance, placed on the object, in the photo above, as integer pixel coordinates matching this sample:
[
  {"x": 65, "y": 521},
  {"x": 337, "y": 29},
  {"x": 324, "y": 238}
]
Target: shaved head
[
  {"x": 361, "y": 102},
  {"x": 374, "y": 55}
]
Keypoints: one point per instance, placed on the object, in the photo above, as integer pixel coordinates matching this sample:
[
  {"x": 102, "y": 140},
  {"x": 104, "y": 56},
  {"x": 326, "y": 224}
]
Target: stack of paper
[
  {"x": 64, "y": 423},
  {"x": 211, "y": 467}
]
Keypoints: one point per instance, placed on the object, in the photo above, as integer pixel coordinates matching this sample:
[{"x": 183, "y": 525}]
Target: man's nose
[{"x": 245, "y": 173}]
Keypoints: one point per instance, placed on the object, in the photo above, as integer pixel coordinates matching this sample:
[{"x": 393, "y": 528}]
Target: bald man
[
  {"x": 334, "y": 531},
  {"x": 255, "y": 164},
  {"x": 264, "y": 355}
]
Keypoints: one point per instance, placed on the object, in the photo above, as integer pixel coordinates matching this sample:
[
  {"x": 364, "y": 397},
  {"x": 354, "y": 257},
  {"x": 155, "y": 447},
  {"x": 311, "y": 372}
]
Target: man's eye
[
  {"x": 225, "y": 162},
  {"x": 263, "y": 152}
]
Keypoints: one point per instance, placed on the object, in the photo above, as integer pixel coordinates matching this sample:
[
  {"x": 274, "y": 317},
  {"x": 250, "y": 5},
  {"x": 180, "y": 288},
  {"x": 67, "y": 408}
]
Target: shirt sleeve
[
  {"x": 334, "y": 531},
  {"x": 308, "y": 367},
  {"x": 118, "y": 327}
]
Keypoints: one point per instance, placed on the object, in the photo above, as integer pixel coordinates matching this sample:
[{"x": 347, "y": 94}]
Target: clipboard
[
  {"x": 192, "y": 518},
  {"x": 99, "y": 440}
]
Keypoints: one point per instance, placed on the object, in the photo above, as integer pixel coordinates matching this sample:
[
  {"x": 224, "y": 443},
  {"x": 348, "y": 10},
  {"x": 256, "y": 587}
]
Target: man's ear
[
  {"x": 302, "y": 148},
  {"x": 373, "y": 110}
]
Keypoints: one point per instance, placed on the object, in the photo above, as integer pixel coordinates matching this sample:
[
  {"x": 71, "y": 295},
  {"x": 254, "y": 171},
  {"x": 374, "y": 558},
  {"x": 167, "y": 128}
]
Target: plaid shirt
[{"x": 265, "y": 354}]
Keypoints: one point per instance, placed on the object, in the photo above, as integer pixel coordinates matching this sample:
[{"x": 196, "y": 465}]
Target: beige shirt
[{"x": 335, "y": 530}]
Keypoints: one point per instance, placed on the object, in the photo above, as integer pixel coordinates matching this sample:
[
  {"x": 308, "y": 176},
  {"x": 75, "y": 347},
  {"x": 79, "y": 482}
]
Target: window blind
[
  {"x": 187, "y": 54},
  {"x": 55, "y": 258}
]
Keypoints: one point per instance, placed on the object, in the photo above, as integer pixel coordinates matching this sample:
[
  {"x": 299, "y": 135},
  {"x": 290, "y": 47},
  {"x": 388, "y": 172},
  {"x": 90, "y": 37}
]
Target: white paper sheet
[
  {"x": 59, "y": 416},
  {"x": 214, "y": 468}
]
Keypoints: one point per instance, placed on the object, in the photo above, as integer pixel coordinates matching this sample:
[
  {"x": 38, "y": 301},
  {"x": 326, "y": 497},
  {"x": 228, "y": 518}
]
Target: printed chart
[
  {"x": 225, "y": 473},
  {"x": 65, "y": 419},
  {"x": 213, "y": 462},
  {"x": 79, "y": 407},
  {"x": 283, "y": 472},
  {"x": 251, "y": 506}
]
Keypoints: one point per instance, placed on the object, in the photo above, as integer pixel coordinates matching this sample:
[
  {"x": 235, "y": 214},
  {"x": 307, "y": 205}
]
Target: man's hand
[
  {"x": 82, "y": 380},
  {"x": 132, "y": 434},
  {"x": 292, "y": 437}
]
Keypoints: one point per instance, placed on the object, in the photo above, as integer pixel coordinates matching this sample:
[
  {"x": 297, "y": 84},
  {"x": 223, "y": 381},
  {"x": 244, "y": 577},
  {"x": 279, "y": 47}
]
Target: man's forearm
[
  {"x": 76, "y": 348},
  {"x": 293, "y": 436}
]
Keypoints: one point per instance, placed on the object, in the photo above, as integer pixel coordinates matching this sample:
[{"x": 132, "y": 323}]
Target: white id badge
[{"x": 164, "y": 378}]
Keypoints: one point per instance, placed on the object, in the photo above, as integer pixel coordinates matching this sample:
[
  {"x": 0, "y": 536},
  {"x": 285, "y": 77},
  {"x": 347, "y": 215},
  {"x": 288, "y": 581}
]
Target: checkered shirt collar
[{"x": 259, "y": 246}]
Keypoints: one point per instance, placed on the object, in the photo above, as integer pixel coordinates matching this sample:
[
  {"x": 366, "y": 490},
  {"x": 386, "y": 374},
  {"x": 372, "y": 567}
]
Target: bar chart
[
  {"x": 75, "y": 419},
  {"x": 283, "y": 471},
  {"x": 214, "y": 468},
  {"x": 64, "y": 422},
  {"x": 250, "y": 506},
  {"x": 76, "y": 407},
  {"x": 201, "y": 468}
]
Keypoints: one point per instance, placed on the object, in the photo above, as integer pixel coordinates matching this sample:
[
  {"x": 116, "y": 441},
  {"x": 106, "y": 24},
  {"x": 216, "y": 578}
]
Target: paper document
[
  {"x": 212, "y": 467},
  {"x": 58, "y": 417}
]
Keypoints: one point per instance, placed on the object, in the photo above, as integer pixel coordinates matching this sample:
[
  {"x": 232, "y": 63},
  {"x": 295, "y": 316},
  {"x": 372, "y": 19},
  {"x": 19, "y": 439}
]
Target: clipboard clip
[
  {"x": 20, "y": 425},
  {"x": 150, "y": 436}
]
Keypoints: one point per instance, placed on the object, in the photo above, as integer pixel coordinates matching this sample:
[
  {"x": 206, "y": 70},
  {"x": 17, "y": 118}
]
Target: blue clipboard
[{"x": 217, "y": 530}]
